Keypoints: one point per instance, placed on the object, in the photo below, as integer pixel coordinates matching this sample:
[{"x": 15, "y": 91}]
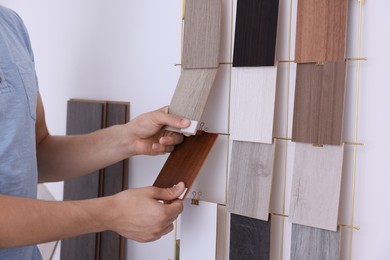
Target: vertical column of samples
[
  {"x": 200, "y": 60},
  {"x": 318, "y": 127},
  {"x": 253, "y": 91}
]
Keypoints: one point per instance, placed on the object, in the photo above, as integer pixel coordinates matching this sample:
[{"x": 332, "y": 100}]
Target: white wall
[{"x": 125, "y": 50}]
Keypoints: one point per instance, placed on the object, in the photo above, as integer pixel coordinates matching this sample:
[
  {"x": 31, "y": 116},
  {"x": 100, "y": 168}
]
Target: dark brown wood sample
[
  {"x": 321, "y": 30},
  {"x": 185, "y": 162},
  {"x": 308, "y": 243},
  {"x": 114, "y": 180},
  {"x": 249, "y": 238},
  {"x": 82, "y": 118},
  {"x": 255, "y": 36},
  {"x": 202, "y": 34},
  {"x": 319, "y": 103}
]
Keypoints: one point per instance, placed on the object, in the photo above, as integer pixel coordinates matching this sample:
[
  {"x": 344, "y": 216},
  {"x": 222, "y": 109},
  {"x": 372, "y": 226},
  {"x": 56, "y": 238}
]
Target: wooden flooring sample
[
  {"x": 321, "y": 30},
  {"x": 309, "y": 243},
  {"x": 82, "y": 118},
  {"x": 115, "y": 180},
  {"x": 202, "y": 34},
  {"x": 253, "y": 104},
  {"x": 192, "y": 92},
  {"x": 315, "y": 192},
  {"x": 255, "y": 35},
  {"x": 249, "y": 238},
  {"x": 198, "y": 232},
  {"x": 185, "y": 162},
  {"x": 250, "y": 179},
  {"x": 319, "y": 103}
]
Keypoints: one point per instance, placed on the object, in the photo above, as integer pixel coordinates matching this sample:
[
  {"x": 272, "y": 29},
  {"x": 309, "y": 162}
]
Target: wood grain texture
[
  {"x": 115, "y": 180},
  {"x": 250, "y": 179},
  {"x": 255, "y": 35},
  {"x": 249, "y": 238},
  {"x": 319, "y": 103},
  {"x": 198, "y": 231},
  {"x": 192, "y": 91},
  {"x": 202, "y": 34},
  {"x": 185, "y": 162},
  {"x": 315, "y": 192},
  {"x": 321, "y": 30},
  {"x": 309, "y": 243},
  {"x": 253, "y": 104},
  {"x": 82, "y": 118}
]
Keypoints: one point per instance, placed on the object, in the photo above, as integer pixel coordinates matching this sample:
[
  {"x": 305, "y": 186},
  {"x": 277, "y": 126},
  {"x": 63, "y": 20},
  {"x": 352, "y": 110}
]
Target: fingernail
[
  {"x": 177, "y": 186},
  {"x": 184, "y": 122}
]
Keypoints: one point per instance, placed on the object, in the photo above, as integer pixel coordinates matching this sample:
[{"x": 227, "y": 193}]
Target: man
[{"x": 26, "y": 146}]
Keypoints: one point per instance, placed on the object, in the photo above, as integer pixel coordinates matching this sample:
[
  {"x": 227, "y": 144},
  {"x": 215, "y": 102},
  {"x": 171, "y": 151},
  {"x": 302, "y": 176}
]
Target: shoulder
[{"x": 14, "y": 24}]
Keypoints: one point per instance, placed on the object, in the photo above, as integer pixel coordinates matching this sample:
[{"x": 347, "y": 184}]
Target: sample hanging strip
[{"x": 200, "y": 60}]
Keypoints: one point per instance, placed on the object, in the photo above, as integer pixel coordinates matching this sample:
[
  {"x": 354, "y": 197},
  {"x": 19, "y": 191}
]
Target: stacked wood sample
[
  {"x": 200, "y": 60},
  {"x": 84, "y": 117}
]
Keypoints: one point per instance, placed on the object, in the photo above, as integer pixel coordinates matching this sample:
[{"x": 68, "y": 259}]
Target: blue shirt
[{"x": 18, "y": 101}]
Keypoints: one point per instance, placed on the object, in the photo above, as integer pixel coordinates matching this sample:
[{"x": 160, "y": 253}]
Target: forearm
[
  {"x": 66, "y": 157},
  {"x": 27, "y": 221}
]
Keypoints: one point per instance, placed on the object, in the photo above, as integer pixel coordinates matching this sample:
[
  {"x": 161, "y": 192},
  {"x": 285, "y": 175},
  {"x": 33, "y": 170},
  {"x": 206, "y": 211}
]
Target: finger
[
  {"x": 167, "y": 230},
  {"x": 162, "y": 117},
  {"x": 160, "y": 149},
  {"x": 171, "y": 139},
  {"x": 169, "y": 194}
]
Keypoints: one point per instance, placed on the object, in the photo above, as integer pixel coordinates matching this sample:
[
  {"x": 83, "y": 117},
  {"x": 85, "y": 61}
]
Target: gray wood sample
[
  {"x": 253, "y": 104},
  {"x": 319, "y": 103},
  {"x": 82, "y": 118},
  {"x": 192, "y": 92},
  {"x": 250, "y": 179},
  {"x": 309, "y": 243},
  {"x": 202, "y": 34},
  {"x": 315, "y": 192},
  {"x": 249, "y": 238},
  {"x": 114, "y": 180}
]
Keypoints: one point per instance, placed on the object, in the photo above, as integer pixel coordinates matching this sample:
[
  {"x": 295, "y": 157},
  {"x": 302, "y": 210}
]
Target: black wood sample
[
  {"x": 249, "y": 238},
  {"x": 82, "y": 118},
  {"x": 255, "y": 36},
  {"x": 114, "y": 181},
  {"x": 308, "y": 243}
]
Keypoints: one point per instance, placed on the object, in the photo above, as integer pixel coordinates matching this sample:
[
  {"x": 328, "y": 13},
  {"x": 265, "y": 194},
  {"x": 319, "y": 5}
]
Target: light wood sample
[
  {"x": 315, "y": 192},
  {"x": 309, "y": 243},
  {"x": 250, "y": 179},
  {"x": 321, "y": 30},
  {"x": 253, "y": 104},
  {"x": 192, "y": 92},
  {"x": 202, "y": 34},
  {"x": 185, "y": 162},
  {"x": 198, "y": 232},
  {"x": 255, "y": 34},
  {"x": 249, "y": 238},
  {"x": 319, "y": 103}
]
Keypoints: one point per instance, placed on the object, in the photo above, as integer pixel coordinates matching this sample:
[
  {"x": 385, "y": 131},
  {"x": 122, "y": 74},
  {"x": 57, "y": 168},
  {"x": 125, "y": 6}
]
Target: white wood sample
[
  {"x": 191, "y": 94},
  {"x": 202, "y": 34},
  {"x": 253, "y": 104},
  {"x": 46, "y": 249},
  {"x": 250, "y": 179},
  {"x": 198, "y": 232},
  {"x": 211, "y": 181},
  {"x": 315, "y": 192}
]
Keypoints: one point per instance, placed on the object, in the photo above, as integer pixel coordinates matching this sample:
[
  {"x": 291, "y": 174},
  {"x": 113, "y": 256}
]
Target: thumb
[{"x": 169, "y": 194}]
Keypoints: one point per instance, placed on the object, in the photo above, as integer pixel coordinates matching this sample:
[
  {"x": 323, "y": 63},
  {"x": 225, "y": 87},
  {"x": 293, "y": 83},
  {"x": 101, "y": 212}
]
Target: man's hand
[
  {"x": 146, "y": 134},
  {"x": 139, "y": 214}
]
